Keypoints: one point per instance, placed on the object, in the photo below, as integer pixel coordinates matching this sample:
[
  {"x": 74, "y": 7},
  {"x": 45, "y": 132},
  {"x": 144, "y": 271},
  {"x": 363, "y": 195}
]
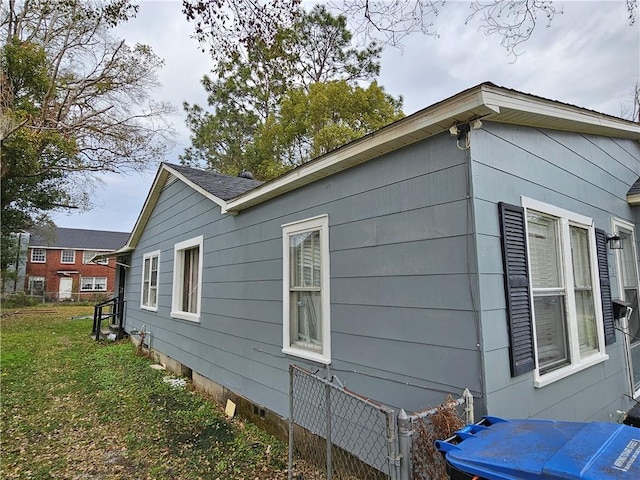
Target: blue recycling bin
[{"x": 498, "y": 449}]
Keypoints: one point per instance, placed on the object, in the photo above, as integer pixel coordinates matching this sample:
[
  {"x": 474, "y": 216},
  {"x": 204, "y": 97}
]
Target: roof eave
[
  {"x": 527, "y": 110},
  {"x": 414, "y": 128},
  {"x": 112, "y": 253},
  {"x": 485, "y": 101},
  {"x": 152, "y": 199}
]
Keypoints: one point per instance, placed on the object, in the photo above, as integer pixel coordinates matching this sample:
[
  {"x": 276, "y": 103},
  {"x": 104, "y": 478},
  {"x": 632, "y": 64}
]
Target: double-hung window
[
  {"x": 567, "y": 314},
  {"x": 93, "y": 284},
  {"x": 150, "y": 268},
  {"x": 306, "y": 329},
  {"x": 628, "y": 284},
  {"x": 38, "y": 255},
  {"x": 68, "y": 256},
  {"x": 187, "y": 280}
]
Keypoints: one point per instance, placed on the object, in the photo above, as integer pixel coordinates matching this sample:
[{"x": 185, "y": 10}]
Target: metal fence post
[
  {"x": 327, "y": 395},
  {"x": 404, "y": 443},
  {"x": 392, "y": 446},
  {"x": 468, "y": 406},
  {"x": 290, "y": 472}
]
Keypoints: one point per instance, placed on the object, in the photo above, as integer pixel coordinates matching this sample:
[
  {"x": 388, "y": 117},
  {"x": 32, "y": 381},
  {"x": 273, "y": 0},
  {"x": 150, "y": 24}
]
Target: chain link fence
[
  {"x": 339, "y": 432},
  {"x": 418, "y": 433},
  {"x": 54, "y": 297},
  {"x": 343, "y": 435}
]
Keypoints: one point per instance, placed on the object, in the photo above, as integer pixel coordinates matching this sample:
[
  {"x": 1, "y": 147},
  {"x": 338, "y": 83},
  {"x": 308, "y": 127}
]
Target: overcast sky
[{"x": 590, "y": 57}]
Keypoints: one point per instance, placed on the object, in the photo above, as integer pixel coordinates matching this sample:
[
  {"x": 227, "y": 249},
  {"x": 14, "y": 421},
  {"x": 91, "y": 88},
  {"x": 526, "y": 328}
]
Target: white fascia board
[
  {"x": 111, "y": 253},
  {"x": 423, "y": 124},
  {"x": 511, "y": 100},
  {"x": 147, "y": 208},
  {"x": 152, "y": 198},
  {"x": 633, "y": 199}
]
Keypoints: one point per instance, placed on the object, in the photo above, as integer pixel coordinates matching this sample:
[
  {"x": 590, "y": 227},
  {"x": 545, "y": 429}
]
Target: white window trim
[
  {"x": 320, "y": 223},
  {"x": 106, "y": 286},
  {"x": 62, "y": 256},
  {"x": 616, "y": 224},
  {"x": 150, "y": 255},
  {"x": 177, "y": 282},
  {"x": 568, "y": 218},
  {"x": 39, "y": 261}
]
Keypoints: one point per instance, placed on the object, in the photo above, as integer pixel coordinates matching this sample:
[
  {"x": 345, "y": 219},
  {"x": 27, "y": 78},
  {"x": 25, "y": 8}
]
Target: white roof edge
[
  {"x": 633, "y": 199},
  {"x": 511, "y": 99},
  {"x": 156, "y": 187},
  {"x": 490, "y": 99},
  {"x": 111, "y": 253},
  {"x": 415, "y": 125},
  {"x": 218, "y": 201}
]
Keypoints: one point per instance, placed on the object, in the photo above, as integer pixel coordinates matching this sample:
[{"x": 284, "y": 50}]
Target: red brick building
[{"x": 59, "y": 266}]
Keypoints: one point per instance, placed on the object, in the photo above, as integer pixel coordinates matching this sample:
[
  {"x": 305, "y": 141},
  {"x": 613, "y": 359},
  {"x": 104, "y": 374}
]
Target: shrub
[{"x": 19, "y": 300}]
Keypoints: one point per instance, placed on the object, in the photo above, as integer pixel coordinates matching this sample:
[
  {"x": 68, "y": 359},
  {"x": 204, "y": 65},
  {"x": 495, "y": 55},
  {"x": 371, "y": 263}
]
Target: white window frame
[
  {"x": 616, "y": 225},
  {"x": 39, "y": 250},
  {"x": 566, "y": 219},
  {"x": 93, "y": 284},
  {"x": 178, "y": 286},
  {"x": 87, "y": 255},
  {"x": 320, "y": 223},
  {"x": 73, "y": 256},
  {"x": 144, "y": 302}
]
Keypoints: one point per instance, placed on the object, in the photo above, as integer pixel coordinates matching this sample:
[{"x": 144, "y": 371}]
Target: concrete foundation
[{"x": 258, "y": 415}]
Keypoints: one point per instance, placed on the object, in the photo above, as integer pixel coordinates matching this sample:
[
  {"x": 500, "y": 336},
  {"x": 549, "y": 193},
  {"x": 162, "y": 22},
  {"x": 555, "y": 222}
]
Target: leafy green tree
[
  {"x": 313, "y": 122},
  {"x": 74, "y": 101},
  {"x": 244, "y": 130}
]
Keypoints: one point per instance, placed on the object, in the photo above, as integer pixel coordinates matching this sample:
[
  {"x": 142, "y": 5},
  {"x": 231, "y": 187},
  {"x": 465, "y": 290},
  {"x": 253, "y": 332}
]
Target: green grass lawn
[{"x": 73, "y": 408}]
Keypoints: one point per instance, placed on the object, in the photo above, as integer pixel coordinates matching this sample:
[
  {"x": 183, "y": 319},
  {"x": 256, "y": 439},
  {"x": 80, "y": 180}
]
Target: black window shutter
[
  {"x": 516, "y": 279},
  {"x": 605, "y": 287}
]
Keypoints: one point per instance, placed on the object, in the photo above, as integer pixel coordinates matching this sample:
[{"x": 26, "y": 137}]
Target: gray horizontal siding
[
  {"x": 402, "y": 313},
  {"x": 584, "y": 174}
]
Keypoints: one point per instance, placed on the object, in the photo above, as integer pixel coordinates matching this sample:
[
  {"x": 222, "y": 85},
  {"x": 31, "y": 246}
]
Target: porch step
[{"x": 111, "y": 333}]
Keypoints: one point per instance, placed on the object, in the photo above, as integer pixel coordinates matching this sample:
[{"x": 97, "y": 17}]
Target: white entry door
[{"x": 66, "y": 287}]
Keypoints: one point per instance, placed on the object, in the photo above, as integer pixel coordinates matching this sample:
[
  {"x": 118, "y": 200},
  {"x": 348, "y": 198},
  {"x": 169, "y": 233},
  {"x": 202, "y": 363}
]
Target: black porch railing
[{"x": 112, "y": 310}]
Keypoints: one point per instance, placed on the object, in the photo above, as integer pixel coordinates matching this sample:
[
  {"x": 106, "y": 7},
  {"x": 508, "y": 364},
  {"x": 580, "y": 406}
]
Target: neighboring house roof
[
  {"x": 633, "y": 195},
  {"x": 485, "y": 101},
  {"x": 76, "y": 238}
]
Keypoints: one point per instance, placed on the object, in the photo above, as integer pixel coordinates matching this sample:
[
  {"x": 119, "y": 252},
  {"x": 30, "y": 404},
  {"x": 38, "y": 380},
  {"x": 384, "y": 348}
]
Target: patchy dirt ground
[{"x": 76, "y": 409}]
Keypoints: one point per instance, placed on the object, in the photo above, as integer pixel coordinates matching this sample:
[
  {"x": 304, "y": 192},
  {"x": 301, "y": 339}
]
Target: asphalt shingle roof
[
  {"x": 635, "y": 188},
  {"x": 222, "y": 186},
  {"x": 77, "y": 238}
]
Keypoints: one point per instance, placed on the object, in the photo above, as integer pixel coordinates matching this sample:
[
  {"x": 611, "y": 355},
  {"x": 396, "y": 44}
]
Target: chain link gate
[{"x": 338, "y": 431}]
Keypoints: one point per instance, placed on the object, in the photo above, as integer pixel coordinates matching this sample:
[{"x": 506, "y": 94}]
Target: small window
[
  {"x": 187, "y": 279},
  {"x": 68, "y": 256},
  {"x": 306, "y": 329},
  {"x": 150, "y": 265},
  {"x": 38, "y": 255},
  {"x": 89, "y": 254},
  {"x": 93, "y": 284}
]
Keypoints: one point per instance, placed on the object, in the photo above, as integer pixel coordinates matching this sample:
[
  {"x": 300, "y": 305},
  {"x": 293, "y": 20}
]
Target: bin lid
[{"x": 545, "y": 449}]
